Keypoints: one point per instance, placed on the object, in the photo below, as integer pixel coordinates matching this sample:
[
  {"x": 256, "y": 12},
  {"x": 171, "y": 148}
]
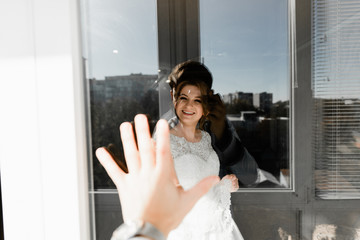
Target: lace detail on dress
[
  {"x": 193, "y": 160},
  {"x": 179, "y": 146},
  {"x": 223, "y": 191},
  {"x": 210, "y": 218}
]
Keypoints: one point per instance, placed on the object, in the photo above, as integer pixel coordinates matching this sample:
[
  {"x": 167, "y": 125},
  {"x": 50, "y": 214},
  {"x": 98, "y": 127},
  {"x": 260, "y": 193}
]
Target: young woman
[{"x": 194, "y": 159}]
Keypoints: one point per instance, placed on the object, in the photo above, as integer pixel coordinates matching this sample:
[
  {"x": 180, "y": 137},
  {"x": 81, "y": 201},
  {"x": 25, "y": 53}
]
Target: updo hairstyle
[{"x": 191, "y": 73}]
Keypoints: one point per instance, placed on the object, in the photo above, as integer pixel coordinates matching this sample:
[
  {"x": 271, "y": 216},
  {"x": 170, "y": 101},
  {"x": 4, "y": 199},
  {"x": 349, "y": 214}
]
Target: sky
[
  {"x": 121, "y": 37},
  {"x": 243, "y": 43}
]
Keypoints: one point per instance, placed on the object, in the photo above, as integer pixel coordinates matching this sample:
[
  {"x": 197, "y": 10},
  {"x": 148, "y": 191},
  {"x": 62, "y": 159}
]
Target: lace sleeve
[{"x": 222, "y": 190}]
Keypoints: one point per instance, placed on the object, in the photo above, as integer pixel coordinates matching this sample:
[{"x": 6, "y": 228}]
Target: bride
[{"x": 194, "y": 159}]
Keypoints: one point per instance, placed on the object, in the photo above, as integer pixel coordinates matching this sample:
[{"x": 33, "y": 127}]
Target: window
[
  {"x": 123, "y": 44},
  {"x": 121, "y": 59},
  {"x": 246, "y": 45},
  {"x": 336, "y": 90},
  {"x": 252, "y": 59}
]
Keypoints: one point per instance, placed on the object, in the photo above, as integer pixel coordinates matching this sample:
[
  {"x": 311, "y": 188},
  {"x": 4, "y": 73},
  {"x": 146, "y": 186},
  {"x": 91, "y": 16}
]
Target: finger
[
  {"x": 200, "y": 189},
  {"x": 153, "y": 142},
  {"x": 111, "y": 149},
  {"x": 146, "y": 150},
  {"x": 112, "y": 169},
  {"x": 164, "y": 159},
  {"x": 130, "y": 150}
]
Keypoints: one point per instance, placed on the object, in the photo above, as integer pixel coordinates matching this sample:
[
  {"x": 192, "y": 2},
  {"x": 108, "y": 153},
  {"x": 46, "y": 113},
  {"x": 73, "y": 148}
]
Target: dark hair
[{"x": 191, "y": 71}]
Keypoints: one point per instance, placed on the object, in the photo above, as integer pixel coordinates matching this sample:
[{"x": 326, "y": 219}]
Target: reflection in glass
[
  {"x": 121, "y": 57},
  {"x": 336, "y": 103},
  {"x": 245, "y": 45},
  {"x": 115, "y": 100}
]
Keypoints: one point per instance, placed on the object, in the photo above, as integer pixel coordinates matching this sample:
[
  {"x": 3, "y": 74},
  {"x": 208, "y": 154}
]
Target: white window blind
[{"x": 336, "y": 92}]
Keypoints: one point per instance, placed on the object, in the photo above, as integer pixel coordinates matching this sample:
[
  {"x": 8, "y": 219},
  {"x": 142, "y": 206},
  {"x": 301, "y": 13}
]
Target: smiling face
[{"x": 188, "y": 105}]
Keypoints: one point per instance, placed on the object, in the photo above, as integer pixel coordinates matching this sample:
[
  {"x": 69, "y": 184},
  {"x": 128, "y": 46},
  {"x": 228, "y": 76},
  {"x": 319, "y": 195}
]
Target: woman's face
[{"x": 188, "y": 106}]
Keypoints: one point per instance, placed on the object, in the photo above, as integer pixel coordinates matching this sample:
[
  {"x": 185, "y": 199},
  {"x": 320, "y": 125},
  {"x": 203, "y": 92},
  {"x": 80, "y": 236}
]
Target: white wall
[{"x": 42, "y": 130}]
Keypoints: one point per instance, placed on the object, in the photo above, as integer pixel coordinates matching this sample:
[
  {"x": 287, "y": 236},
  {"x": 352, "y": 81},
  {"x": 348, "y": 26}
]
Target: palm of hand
[{"x": 150, "y": 191}]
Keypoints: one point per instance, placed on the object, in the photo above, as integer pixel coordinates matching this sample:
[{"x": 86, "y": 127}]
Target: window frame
[
  {"x": 179, "y": 40},
  {"x": 43, "y": 151}
]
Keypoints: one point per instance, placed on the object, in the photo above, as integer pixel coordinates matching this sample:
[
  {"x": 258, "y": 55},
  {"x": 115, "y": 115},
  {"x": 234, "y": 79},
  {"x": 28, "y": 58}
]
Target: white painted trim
[{"x": 42, "y": 126}]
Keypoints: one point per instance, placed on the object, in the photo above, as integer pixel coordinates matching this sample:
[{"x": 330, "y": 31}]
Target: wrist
[
  {"x": 135, "y": 228},
  {"x": 162, "y": 226}
]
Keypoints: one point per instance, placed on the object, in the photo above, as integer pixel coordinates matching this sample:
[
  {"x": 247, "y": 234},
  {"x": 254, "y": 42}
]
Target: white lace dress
[{"x": 210, "y": 218}]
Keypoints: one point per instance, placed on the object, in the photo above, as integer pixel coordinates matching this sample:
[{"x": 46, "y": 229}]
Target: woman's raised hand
[
  {"x": 149, "y": 192},
  {"x": 234, "y": 181}
]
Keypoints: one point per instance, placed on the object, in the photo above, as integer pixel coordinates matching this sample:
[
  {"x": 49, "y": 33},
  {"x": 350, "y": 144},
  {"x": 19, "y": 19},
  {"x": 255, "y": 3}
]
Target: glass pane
[
  {"x": 245, "y": 44},
  {"x": 336, "y": 91},
  {"x": 339, "y": 222},
  {"x": 275, "y": 223},
  {"x": 121, "y": 59}
]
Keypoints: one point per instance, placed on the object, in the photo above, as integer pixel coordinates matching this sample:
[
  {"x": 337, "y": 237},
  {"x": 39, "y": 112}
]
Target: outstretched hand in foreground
[{"x": 149, "y": 192}]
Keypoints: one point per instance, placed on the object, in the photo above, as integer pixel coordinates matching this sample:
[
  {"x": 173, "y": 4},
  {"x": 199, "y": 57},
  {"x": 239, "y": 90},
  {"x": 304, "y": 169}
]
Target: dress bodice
[
  {"x": 211, "y": 215},
  {"x": 193, "y": 160}
]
